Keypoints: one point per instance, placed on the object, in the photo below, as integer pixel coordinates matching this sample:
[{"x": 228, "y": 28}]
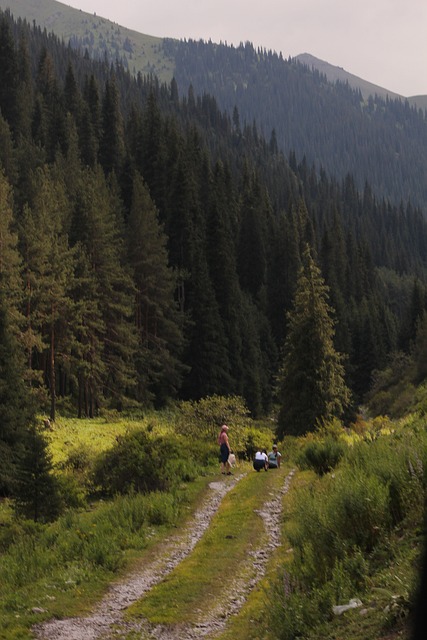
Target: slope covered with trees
[
  {"x": 338, "y": 126},
  {"x": 376, "y": 139},
  {"x": 154, "y": 241}
]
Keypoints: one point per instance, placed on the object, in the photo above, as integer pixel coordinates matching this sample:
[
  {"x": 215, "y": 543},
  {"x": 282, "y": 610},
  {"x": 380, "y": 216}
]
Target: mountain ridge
[
  {"x": 143, "y": 51},
  {"x": 334, "y": 73}
]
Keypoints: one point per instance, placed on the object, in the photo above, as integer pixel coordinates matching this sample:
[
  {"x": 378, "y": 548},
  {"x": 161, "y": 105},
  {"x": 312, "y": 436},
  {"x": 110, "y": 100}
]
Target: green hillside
[
  {"x": 229, "y": 217},
  {"x": 102, "y": 38},
  {"x": 365, "y": 130}
]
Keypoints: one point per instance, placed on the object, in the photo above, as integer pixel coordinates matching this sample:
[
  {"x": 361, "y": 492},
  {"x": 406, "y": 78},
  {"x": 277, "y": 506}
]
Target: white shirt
[{"x": 260, "y": 455}]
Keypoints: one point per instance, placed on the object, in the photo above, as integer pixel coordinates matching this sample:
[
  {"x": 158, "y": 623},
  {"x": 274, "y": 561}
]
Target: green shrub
[
  {"x": 251, "y": 440},
  {"x": 294, "y": 611},
  {"x": 342, "y": 527},
  {"x": 202, "y": 420},
  {"x": 73, "y": 494},
  {"x": 344, "y": 517},
  {"x": 322, "y": 455},
  {"x": 355, "y": 568},
  {"x": 135, "y": 463},
  {"x": 142, "y": 463},
  {"x": 311, "y": 537}
]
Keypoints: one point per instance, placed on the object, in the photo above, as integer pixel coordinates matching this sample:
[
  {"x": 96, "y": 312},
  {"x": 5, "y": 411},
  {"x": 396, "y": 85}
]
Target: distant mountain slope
[
  {"x": 317, "y": 111},
  {"x": 377, "y": 140},
  {"x": 334, "y": 73},
  {"x": 138, "y": 52}
]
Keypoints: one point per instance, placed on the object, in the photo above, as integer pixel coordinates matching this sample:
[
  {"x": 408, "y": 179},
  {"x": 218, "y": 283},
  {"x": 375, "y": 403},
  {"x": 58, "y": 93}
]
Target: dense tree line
[
  {"x": 150, "y": 244},
  {"x": 384, "y": 141}
]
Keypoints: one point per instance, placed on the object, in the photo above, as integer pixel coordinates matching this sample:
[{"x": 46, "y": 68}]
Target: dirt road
[{"x": 107, "y": 621}]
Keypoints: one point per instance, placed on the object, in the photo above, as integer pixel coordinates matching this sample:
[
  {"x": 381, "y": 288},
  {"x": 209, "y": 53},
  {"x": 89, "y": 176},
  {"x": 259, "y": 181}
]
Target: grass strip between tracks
[{"x": 205, "y": 578}]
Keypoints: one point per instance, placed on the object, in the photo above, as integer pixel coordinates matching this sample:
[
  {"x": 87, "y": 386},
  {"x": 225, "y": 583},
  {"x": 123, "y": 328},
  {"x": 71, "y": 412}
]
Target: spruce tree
[
  {"x": 37, "y": 494},
  {"x": 10, "y": 260},
  {"x": 8, "y": 74},
  {"x": 111, "y": 151},
  {"x": 311, "y": 381},
  {"x": 157, "y": 317},
  {"x": 98, "y": 233},
  {"x": 16, "y": 410},
  {"x": 48, "y": 269}
]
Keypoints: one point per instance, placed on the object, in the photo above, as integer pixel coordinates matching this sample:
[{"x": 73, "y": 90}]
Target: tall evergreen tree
[
  {"x": 97, "y": 230},
  {"x": 311, "y": 380},
  {"x": 252, "y": 259},
  {"x": 8, "y": 74},
  {"x": 48, "y": 269},
  {"x": 157, "y": 317},
  {"x": 48, "y": 125},
  {"x": 416, "y": 310},
  {"x": 11, "y": 283},
  {"x": 37, "y": 493},
  {"x": 111, "y": 151},
  {"x": 16, "y": 409},
  {"x": 221, "y": 254}
]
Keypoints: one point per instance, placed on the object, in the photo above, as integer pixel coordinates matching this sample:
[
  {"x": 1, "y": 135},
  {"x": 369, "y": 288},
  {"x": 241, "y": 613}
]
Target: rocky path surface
[{"x": 107, "y": 621}]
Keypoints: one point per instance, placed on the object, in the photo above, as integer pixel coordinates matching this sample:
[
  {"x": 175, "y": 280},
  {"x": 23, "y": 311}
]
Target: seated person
[
  {"x": 274, "y": 458},
  {"x": 261, "y": 460}
]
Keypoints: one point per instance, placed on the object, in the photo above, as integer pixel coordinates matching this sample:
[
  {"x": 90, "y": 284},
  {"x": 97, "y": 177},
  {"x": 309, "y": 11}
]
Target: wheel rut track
[{"x": 107, "y": 620}]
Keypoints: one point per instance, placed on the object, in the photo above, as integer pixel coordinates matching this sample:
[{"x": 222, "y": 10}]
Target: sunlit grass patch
[{"x": 95, "y": 435}]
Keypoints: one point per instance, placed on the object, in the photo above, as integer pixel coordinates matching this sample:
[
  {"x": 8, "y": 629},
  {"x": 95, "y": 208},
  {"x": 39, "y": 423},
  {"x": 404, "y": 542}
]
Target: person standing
[{"x": 224, "y": 450}]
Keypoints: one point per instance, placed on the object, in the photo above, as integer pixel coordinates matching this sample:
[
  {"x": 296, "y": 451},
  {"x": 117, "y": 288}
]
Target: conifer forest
[{"x": 151, "y": 242}]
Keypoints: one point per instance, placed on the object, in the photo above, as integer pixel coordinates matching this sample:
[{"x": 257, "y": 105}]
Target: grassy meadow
[{"x": 352, "y": 527}]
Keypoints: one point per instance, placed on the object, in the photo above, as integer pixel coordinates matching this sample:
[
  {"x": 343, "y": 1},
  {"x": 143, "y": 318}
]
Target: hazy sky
[{"x": 382, "y": 41}]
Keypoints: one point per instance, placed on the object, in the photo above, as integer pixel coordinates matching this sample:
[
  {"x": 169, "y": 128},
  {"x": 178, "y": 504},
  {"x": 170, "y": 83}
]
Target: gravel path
[{"x": 174, "y": 550}]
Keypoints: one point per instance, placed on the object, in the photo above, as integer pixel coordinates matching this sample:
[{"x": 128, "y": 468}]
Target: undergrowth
[
  {"x": 355, "y": 533},
  {"x": 352, "y": 527}
]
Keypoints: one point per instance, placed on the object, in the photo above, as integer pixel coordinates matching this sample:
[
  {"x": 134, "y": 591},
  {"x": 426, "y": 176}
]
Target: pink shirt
[{"x": 223, "y": 437}]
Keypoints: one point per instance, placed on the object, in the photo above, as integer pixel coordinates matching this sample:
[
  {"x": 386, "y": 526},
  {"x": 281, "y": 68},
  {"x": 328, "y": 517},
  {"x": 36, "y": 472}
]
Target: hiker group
[{"x": 262, "y": 459}]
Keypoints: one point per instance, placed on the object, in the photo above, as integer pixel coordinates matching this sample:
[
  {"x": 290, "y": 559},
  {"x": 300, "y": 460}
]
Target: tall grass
[
  {"x": 343, "y": 528},
  {"x": 76, "y": 555}
]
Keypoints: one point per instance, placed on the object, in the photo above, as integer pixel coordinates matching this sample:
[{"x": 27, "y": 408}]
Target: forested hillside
[
  {"x": 151, "y": 243},
  {"x": 337, "y": 126},
  {"x": 380, "y": 140}
]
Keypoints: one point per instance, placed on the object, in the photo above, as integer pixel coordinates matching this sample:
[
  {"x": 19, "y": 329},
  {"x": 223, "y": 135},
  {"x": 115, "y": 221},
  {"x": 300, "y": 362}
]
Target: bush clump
[
  {"x": 143, "y": 464},
  {"x": 322, "y": 455}
]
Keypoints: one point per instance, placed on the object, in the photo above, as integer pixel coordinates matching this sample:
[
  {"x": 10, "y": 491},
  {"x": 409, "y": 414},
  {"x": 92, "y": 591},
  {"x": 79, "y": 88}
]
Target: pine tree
[
  {"x": 10, "y": 261},
  {"x": 8, "y": 74},
  {"x": 252, "y": 261},
  {"x": 221, "y": 254},
  {"x": 311, "y": 381},
  {"x": 48, "y": 269},
  {"x": 37, "y": 494},
  {"x": 416, "y": 310},
  {"x": 48, "y": 124},
  {"x": 111, "y": 151},
  {"x": 16, "y": 409},
  {"x": 156, "y": 313},
  {"x": 97, "y": 230}
]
